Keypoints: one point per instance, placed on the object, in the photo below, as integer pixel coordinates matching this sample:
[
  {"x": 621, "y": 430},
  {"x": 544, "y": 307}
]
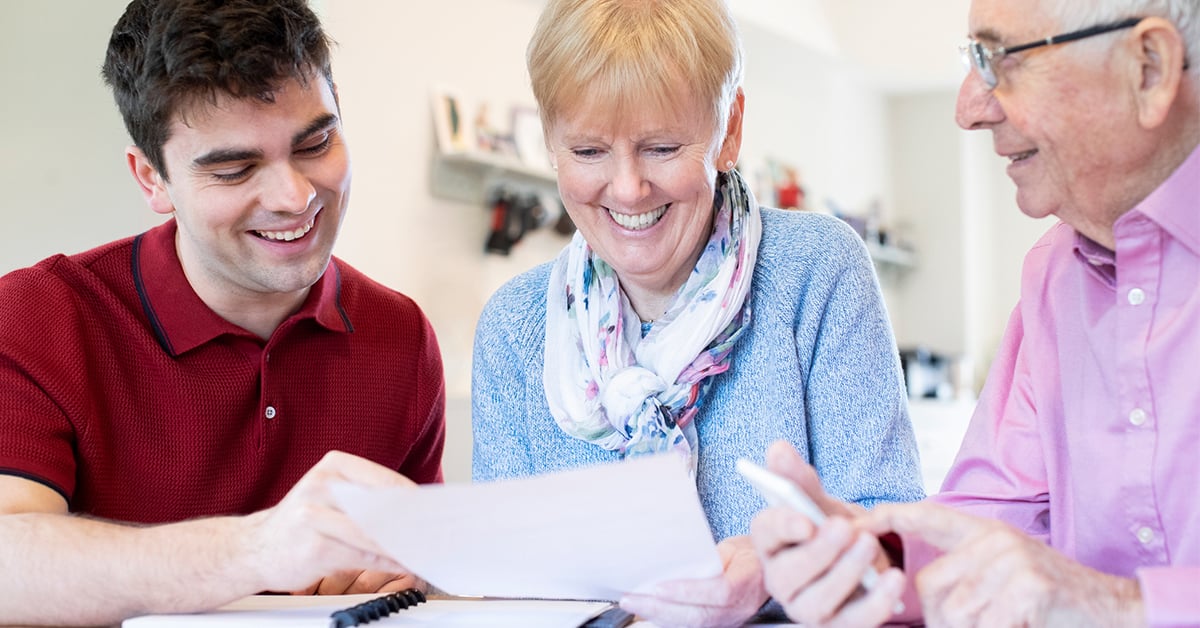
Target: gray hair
[{"x": 1184, "y": 14}]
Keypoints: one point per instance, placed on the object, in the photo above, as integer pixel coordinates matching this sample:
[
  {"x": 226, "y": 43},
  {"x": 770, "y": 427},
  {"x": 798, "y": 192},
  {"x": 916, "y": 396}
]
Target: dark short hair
[{"x": 166, "y": 56}]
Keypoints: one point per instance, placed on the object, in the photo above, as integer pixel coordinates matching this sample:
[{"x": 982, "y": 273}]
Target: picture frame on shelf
[
  {"x": 490, "y": 135},
  {"x": 528, "y": 137},
  {"x": 475, "y": 149},
  {"x": 452, "y": 121}
]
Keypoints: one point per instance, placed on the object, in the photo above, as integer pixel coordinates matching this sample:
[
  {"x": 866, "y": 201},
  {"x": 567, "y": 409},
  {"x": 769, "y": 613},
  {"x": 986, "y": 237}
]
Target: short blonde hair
[{"x": 615, "y": 54}]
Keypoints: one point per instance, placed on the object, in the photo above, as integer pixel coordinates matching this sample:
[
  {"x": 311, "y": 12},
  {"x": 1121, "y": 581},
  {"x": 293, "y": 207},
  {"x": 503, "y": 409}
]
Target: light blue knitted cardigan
[{"x": 818, "y": 367}]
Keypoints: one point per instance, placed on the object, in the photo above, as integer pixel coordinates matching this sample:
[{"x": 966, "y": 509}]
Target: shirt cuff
[{"x": 1169, "y": 595}]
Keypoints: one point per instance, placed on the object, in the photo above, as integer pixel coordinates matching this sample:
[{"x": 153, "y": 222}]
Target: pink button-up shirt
[{"x": 1087, "y": 434}]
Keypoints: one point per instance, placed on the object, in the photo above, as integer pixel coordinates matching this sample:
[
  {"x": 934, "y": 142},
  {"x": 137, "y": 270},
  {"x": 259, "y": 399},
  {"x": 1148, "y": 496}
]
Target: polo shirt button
[
  {"x": 270, "y": 412},
  {"x": 1137, "y": 417},
  {"x": 1136, "y": 296},
  {"x": 1145, "y": 535}
]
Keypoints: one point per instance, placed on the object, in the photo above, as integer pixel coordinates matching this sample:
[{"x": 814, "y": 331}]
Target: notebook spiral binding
[{"x": 375, "y": 609}]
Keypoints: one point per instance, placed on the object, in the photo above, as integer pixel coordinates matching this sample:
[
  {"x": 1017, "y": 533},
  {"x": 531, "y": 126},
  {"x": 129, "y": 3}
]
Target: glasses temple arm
[{"x": 1072, "y": 36}]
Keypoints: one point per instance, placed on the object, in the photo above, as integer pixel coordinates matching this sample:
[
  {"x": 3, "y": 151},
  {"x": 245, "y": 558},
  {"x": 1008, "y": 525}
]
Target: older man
[{"x": 1076, "y": 496}]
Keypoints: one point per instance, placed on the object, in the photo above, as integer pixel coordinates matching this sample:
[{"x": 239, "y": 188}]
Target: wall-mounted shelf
[
  {"x": 887, "y": 257},
  {"x": 470, "y": 176},
  {"x": 890, "y": 256}
]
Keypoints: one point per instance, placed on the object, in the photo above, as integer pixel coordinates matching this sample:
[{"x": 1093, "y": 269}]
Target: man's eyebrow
[
  {"x": 322, "y": 122},
  {"x": 227, "y": 155},
  {"x": 987, "y": 35}
]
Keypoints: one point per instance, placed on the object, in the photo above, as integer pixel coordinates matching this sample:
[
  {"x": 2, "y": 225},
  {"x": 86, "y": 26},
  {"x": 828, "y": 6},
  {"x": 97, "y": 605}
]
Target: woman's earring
[{"x": 729, "y": 164}]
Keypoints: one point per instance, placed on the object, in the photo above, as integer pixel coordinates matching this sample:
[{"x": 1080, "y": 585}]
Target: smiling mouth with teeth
[
  {"x": 639, "y": 222},
  {"x": 287, "y": 236}
]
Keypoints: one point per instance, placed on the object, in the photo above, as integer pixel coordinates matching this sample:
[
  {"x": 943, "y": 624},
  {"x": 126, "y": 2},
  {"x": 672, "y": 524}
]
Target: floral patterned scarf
[{"x": 609, "y": 385}]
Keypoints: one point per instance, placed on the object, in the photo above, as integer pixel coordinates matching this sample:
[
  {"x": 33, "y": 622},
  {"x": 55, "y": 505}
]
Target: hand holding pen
[{"x": 817, "y": 565}]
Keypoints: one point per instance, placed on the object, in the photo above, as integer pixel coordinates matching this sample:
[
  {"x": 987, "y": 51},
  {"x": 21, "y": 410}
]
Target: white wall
[
  {"x": 66, "y": 188},
  {"x": 818, "y": 113},
  {"x": 62, "y": 168},
  {"x": 963, "y": 220},
  {"x": 928, "y": 303}
]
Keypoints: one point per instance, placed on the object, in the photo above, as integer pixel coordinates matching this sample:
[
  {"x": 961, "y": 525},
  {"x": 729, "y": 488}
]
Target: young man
[
  {"x": 215, "y": 374},
  {"x": 1074, "y": 498}
]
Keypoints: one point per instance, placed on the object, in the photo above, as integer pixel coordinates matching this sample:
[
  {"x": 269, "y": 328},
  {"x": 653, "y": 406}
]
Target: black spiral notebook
[
  {"x": 374, "y": 609},
  {"x": 408, "y": 608}
]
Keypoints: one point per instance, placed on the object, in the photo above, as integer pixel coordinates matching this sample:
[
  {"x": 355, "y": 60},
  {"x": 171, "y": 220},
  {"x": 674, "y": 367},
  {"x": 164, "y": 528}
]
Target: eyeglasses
[{"x": 982, "y": 59}]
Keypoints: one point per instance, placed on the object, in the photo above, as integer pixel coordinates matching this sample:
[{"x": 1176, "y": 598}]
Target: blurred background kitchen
[{"x": 849, "y": 110}]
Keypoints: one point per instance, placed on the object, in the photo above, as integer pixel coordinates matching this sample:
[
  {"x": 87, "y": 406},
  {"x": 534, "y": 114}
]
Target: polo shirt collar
[{"x": 183, "y": 322}]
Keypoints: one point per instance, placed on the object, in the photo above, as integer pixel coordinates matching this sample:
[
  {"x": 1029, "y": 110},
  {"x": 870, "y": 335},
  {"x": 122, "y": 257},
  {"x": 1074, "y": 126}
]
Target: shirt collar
[
  {"x": 1175, "y": 205},
  {"x": 183, "y": 322},
  {"x": 1099, "y": 261}
]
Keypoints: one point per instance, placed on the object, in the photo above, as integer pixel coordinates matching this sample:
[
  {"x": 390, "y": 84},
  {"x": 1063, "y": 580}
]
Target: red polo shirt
[{"x": 121, "y": 390}]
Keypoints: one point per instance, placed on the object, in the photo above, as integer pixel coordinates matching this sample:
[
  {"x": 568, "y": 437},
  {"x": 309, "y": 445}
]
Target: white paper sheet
[{"x": 589, "y": 533}]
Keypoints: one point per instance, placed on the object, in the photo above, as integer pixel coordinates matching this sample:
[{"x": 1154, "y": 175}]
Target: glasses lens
[
  {"x": 982, "y": 62},
  {"x": 966, "y": 56}
]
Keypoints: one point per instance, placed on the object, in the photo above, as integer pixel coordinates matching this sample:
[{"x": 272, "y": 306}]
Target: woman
[{"x": 682, "y": 317}]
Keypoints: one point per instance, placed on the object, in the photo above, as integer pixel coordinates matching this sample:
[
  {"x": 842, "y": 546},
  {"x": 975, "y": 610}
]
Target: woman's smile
[{"x": 639, "y": 222}]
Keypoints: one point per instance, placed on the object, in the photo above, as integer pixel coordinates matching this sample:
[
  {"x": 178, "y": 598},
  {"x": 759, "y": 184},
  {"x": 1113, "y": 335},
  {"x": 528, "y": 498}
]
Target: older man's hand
[
  {"x": 992, "y": 574},
  {"x": 815, "y": 572}
]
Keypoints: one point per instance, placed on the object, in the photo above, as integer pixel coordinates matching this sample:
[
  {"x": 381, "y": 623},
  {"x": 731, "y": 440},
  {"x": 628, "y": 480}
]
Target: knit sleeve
[
  {"x": 502, "y": 367},
  {"x": 861, "y": 438}
]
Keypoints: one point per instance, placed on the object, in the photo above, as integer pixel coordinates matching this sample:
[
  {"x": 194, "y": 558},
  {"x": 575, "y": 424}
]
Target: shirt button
[
  {"x": 1136, "y": 296},
  {"x": 270, "y": 412},
  {"x": 1145, "y": 535},
  {"x": 1137, "y": 417}
]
